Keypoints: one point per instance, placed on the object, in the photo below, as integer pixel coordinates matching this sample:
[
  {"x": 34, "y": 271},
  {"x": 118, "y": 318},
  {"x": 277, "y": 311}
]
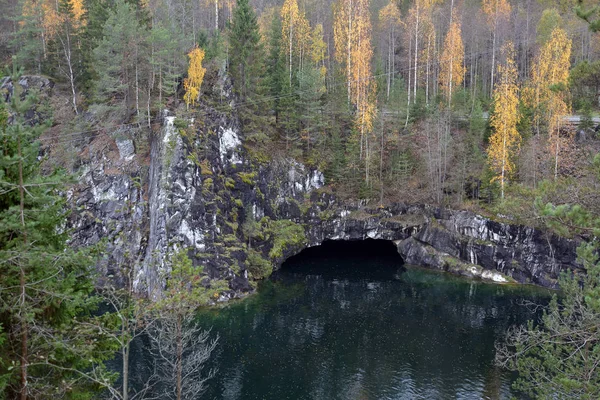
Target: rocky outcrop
[
  {"x": 191, "y": 184},
  {"x": 460, "y": 242},
  {"x": 200, "y": 188}
]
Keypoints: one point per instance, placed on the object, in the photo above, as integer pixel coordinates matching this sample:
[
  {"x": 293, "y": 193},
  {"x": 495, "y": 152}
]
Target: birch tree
[
  {"x": 389, "y": 19},
  {"x": 496, "y": 11},
  {"x": 295, "y": 32},
  {"x": 505, "y": 140},
  {"x": 452, "y": 70},
  {"x": 196, "y": 72},
  {"x": 352, "y": 36},
  {"x": 548, "y": 93}
]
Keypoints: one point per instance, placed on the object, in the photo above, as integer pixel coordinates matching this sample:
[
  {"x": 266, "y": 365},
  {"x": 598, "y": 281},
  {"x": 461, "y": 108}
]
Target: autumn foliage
[
  {"x": 452, "y": 68},
  {"x": 505, "y": 140},
  {"x": 196, "y": 71},
  {"x": 548, "y": 93}
]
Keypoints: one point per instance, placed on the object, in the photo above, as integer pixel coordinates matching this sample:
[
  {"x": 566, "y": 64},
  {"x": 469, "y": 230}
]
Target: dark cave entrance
[{"x": 347, "y": 258}]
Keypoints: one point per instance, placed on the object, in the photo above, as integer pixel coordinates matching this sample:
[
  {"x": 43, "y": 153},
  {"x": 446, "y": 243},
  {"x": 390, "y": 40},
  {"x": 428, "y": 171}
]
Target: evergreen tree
[
  {"x": 276, "y": 66},
  {"x": 118, "y": 59},
  {"x": 45, "y": 286},
  {"x": 246, "y": 65},
  {"x": 95, "y": 16},
  {"x": 166, "y": 61},
  {"x": 559, "y": 357}
]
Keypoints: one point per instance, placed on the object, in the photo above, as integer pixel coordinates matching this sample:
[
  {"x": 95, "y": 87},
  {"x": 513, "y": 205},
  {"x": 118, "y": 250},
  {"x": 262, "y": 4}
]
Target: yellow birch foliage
[
  {"x": 353, "y": 50},
  {"x": 505, "y": 139},
  {"x": 548, "y": 92},
  {"x": 389, "y": 16},
  {"x": 78, "y": 12},
  {"x": 318, "y": 50},
  {"x": 419, "y": 24},
  {"x": 45, "y": 14},
  {"x": 295, "y": 32},
  {"x": 452, "y": 69},
  {"x": 494, "y": 10},
  {"x": 196, "y": 71}
]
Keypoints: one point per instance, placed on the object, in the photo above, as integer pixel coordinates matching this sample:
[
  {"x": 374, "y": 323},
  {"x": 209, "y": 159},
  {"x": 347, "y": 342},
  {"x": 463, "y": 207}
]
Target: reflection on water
[{"x": 353, "y": 327}]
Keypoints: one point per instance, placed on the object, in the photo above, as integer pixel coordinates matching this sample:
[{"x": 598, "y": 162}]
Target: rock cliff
[{"x": 197, "y": 187}]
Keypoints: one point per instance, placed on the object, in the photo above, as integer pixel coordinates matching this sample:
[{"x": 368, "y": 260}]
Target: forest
[
  {"x": 429, "y": 101},
  {"x": 486, "y": 105}
]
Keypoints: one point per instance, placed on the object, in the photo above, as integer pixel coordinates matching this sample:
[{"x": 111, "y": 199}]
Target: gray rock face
[
  {"x": 126, "y": 148},
  {"x": 200, "y": 204},
  {"x": 199, "y": 186},
  {"x": 460, "y": 242}
]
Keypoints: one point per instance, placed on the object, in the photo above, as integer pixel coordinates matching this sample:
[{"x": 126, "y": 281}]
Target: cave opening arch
[{"x": 368, "y": 256}]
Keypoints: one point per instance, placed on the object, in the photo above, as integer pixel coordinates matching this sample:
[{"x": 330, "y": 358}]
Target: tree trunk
[
  {"x": 22, "y": 281},
  {"x": 416, "y": 54},
  {"x": 408, "y": 86},
  {"x": 216, "y": 15},
  {"x": 125, "y": 365},
  {"x": 349, "y": 51},
  {"x": 179, "y": 359}
]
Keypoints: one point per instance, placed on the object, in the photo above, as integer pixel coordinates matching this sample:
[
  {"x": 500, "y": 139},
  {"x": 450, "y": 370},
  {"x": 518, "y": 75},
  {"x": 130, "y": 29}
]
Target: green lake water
[{"x": 348, "y": 322}]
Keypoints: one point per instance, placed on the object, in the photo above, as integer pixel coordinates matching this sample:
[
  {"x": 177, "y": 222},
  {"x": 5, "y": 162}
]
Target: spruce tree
[
  {"x": 118, "y": 59},
  {"x": 246, "y": 65},
  {"x": 276, "y": 66},
  {"x": 45, "y": 286}
]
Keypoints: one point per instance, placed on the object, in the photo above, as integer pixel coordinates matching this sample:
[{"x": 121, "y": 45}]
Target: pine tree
[
  {"x": 180, "y": 346},
  {"x": 117, "y": 59},
  {"x": 276, "y": 75},
  {"x": 558, "y": 358}
]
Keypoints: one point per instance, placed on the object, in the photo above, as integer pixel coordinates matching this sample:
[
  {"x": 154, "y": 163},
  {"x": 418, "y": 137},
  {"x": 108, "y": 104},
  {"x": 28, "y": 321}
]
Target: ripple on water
[{"x": 359, "y": 330}]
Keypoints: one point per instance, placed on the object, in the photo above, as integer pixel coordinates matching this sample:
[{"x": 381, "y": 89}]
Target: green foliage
[
  {"x": 247, "y": 177},
  {"x": 258, "y": 266},
  {"x": 230, "y": 183},
  {"x": 589, "y": 15},
  {"x": 46, "y": 287},
  {"x": 584, "y": 82},
  {"x": 550, "y": 20},
  {"x": 118, "y": 55},
  {"x": 558, "y": 358},
  {"x": 183, "y": 284},
  {"x": 250, "y": 228},
  {"x": 246, "y": 63},
  {"x": 180, "y": 124},
  {"x": 286, "y": 234},
  {"x": 276, "y": 71},
  {"x": 207, "y": 184}
]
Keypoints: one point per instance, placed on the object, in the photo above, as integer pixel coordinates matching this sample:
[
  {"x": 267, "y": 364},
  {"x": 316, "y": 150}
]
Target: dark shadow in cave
[{"x": 348, "y": 259}]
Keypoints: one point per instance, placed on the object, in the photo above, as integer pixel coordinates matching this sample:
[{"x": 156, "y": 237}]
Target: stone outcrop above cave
[{"x": 460, "y": 242}]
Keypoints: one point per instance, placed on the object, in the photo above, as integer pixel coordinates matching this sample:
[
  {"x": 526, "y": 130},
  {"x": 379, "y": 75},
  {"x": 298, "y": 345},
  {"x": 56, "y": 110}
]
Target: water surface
[{"x": 350, "y": 323}]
